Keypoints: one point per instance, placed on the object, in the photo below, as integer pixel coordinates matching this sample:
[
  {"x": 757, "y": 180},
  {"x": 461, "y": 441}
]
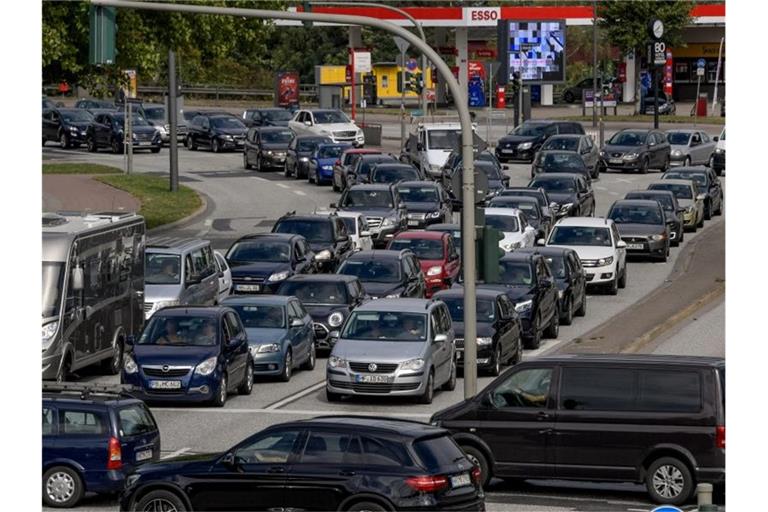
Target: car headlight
[
  {"x": 657, "y": 238},
  {"x": 602, "y": 153},
  {"x": 387, "y": 222},
  {"x": 605, "y": 261},
  {"x": 359, "y": 132},
  {"x": 133, "y": 135},
  {"x": 560, "y": 294},
  {"x": 278, "y": 276},
  {"x": 161, "y": 129},
  {"x": 525, "y": 145},
  {"x": 630, "y": 156},
  {"x": 484, "y": 341},
  {"x": 129, "y": 365},
  {"x": 303, "y": 159},
  {"x": 413, "y": 364},
  {"x": 335, "y": 319},
  {"x": 677, "y": 152},
  {"x": 269, "y": 152},
  {"x": 49, "y": 330},
  {"x": 73, "y": 129},
  {"x": 511, "y": 246},
  {"x": 719, "y": 150},
  {"x": 435, "y": 271},
  {"x": 337, "y": 362},
  {"x": 207, "y": 366},
  {"x": 323, "y": 255},
  {"x": 265, "y": 348},
  {"x": 522, "y": 307},
  {"x": 393, "y": 296},
  {"x": 227, "y": 137},
  {"x": 433, "y": 215},
  {"x": 167, "y": 127}
]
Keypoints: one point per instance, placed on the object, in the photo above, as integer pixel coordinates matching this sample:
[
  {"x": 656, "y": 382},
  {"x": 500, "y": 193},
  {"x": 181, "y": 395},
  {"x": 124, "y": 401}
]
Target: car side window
[
  {"x": 299, "y": 309},
  {"x": 252, "y": 135},
  {"x": 704, "y": 137},
  {"x": 610, "y": 389},
  {"x": 328, "y": 448},
  {"x": 298, "y": 251},
  {"x": 234, "y": 324},
  {"x": 81, "y": 422},
  {"x": 270, "y": 448},
  {"x": 415, "y": 269},
  {"x": 226, "y": 333},
  {"x": 527, "y": 388},
  {"x": 206, "y": 123},
  {"x": 294, "y": 311},
  {"x": 379, "y": 451},
  {"x": 48, "y": 423}
]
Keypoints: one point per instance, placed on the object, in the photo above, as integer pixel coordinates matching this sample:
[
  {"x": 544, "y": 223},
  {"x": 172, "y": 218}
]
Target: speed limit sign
[{"x": 659, "y": 53}]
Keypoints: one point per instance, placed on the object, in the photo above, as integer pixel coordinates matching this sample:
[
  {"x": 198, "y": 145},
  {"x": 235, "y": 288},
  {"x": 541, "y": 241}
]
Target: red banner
[
  {"x": 287, "y": 88},
  {"x": 622, "y": 72},
  {"x": 668, "y": 74}
]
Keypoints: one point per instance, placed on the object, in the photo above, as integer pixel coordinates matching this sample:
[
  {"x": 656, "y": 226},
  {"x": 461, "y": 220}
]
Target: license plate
[
  {"x": 507, "y": 150},
  {"x": 413, "y": 223},
  {"x": 143, "y": 455},
  {"x": 145, "y": 143},
  {"x": 373, "y": 379},
  {"x": 165, "y": 384},
  {"x": 248, "y": 287},
  {"x": 615, "y": 161},
  {"x": 459, "y": 354},
  {"x": 460, "y": 480},
  {"x": 635, "y": 246}
]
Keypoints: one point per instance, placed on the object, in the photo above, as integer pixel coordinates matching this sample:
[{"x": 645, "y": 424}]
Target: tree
[{"x": 626, "y": 26}]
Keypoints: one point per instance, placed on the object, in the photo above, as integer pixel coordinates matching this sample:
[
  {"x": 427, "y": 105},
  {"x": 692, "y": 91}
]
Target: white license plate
[
  {"x": 145, "y": 143},
  {"x": 165, "y": 384},
  {"x": 373, "y": 379},
  {"x": 248, "y": 287},
  {"x": 635, "y": 246},
  {"x": 460, "y": 480},
  {"x": 143, "y": 455},
  {"x": 615, "y": 160},
  {"x": 507, "y": 150},
  {"x": 413, "y": 223}
]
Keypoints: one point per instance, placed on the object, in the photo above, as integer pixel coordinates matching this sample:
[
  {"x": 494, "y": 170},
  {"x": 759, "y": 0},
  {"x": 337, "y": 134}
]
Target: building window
[{"x": 681, "y": 71}]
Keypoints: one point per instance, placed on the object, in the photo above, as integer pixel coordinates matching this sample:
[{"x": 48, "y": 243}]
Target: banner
[{"x": 287, "y": 88}]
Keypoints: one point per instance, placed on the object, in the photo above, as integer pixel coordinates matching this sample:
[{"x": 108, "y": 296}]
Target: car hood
[
  {"x": 378, "y": 351},
  {"x": 514, "y": 292},
  {"x": 182, "y": 355},
  {"x": 685, "y": 203},
  {"x": 516, "y": 139},
  {"x": 320, "y": 312},
  {"x": 610, "y": 148},
  {"x": 276, "y": 123},
  {"x": 425, "y": 264},
  {"x": 589, "y": 252},
  {"x": 198, "y": 463},
  {"x": 438, "y": 157},
  {"x": 143, "y": 129},
  {"x": 381, "y": 289},
  {"x": 483, "y": 329},
  {"x": 275, "y": 147},
  {"x": 336, "y": 127},
  {"x": 161, "y": 292},
  {"x": 230, "y": 131},
  {"x": 412, "y": 207},
  {"x": 628, "y": 229},
  {"x": 261, "y": 335},
  {"x": 320, "y": 246},
  {"x": 562, "y": 197},
  {"x": 369, "y": 211},
  {"x": 259, "y": 269},
  {"x": 511, "y": 236},
  {"x": 326, "y": 161}
]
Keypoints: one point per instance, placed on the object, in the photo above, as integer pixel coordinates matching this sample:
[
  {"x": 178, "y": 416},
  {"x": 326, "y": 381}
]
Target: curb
[{"x": 205, "y": 203}]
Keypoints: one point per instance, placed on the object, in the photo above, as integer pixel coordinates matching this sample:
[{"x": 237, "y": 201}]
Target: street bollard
[{"x": 704, "y": 498}]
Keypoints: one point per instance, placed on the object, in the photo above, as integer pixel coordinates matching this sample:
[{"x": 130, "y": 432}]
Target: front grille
[
  {"x": 148, "y": 307},
  {"x": 321, "y": 331},
  {"x": 171, "y": 372},
  {"x": 374, "y": 222},
  {"x": 380, "y": 367},
  {"x": 248, "y": 280},
  {"x": 375, "y": 388},
  {"x": 345, "y": 134},
  {"x": 617, "y": 155},
  {"x": 417, "y": 216},
  {"x": 635, "y": 239},
  {"x": 588, "y": 263},
  {"x": 144, "y": 136},
  {"x": 164, "y": 391},
  {"x": 510, "y": 145}
]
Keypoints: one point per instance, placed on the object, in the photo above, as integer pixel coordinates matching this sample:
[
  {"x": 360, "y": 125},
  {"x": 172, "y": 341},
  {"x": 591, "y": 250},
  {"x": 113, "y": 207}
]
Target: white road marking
[
  {"x": 300, "y": 192},
  {"x": 259, "y": 179},
  {"x": 302, "y": 412},
  {"x": 175, "y": 454},
  {"x": 624, "y": 180},
  {"x": 283, "y": 185},
  {"x": 296, "y": 396},
  {"x": 602, "y": 189}
]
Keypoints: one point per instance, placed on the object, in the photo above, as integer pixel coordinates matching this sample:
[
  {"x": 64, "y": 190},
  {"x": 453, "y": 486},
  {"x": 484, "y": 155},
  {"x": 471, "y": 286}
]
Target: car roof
[
  {"x": 546, "y": 251},
  {"x": 527, "y": 189},
  {"x": 373, "y": 156},
  {"x": 444, "y": 226},
  {"x": 313, "y": 136},
  {"x": 510, "y": 212},
  {"x": 395, "y": 164},
  {"x": 594, "y": 222},
  {"x": 332, "y": 144},
  {"x": 182, "y": 311},
  {"x": 278, "y": 237},
  {"x": 556, "y": 176},
  {"x": 421, "y": 234},
  {"x": 691, "y": 169},
  {"x": 256, "y": 299},
  {"x": 402, "y": 428},
  {"x": 417, "y": 183},
  {"x": 480, "y": 293},
  {"x": 682, "y": 130},
  {"x": 633, "y": 358},
  {"x": 168, "y": 244},
  {"x": 560, "y": 152},
  {"x": 306, "y": 216},
  {"x": 518, "y": 199},
  {"x": 372, "y": 186},
  {"x": 519, "y": 256},
  {"x": 650, "y": 203},
  {"x": 344, "y": 213},
  {"x": 363, "y": 151},
  {"x": 672, "y": 182},
  {"x": 270, "y": 128},
  {"x": 639, "y": 130},
  {"x": 653, "y": 192},
  {"x": 376, "y": 254},
  {"x": 321, "y": 278},
  {"x": 567, "y": 136},
  {"x": 409, "y": 305}
]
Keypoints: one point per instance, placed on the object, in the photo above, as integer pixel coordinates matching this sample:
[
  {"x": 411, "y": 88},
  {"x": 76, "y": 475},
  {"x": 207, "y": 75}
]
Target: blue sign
[
  {"x": 645, "y": 79},
  {"x": 476, "y": 92},
  {"x": 411, "y": 65},
  {"x": 701, "y": 63},
  {"x": 666, "y": 508}
]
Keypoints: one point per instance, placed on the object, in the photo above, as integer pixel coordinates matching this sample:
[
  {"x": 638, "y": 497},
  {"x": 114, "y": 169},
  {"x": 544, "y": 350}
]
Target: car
[
  {"x": 67, "y": 126},
  {"x": 179, "y": 271},
  {"x": 91, "y": 103},
  {"x": 274, "y": 116},
  {"x": 499, "y": 341},
  {"x": 717, "y": 162},
  {"x": 570, "y": 280},
  {"x": 524, "y": 142},
  {"x": 219, "y": 132},
  {"x": 602, "y": 252},
  {"x": 547, "y": 161},
  {"x": 454, "y": 160},
  {"x": 266, "y": 147},
  {"x": 438, "y": 258},
  {"x": 642, "y": 226},
  {"x": 156, "y": 114},
  {"x": 279, "y": 331},
  {"x": 329, "y": 299},
  {"x": 300, "y": 150},
  {"x": 382, "y": 206},
  {"x": 617, "y": 417},
  {"x": 94, "y": 436},
  {"x": 583, "y": 145},
  {"x": 357, "y": 229},
  {"x": 574, "y": 93},
  {"x": 393, "y": 347},
  {"x": 429, "y": 147},
  {"x": 530, "y": 207},
  {"x": 326, "y": 234},
  {"x": 387, "y": 274},
  {"x": 345, "y": 163},
  {"x": 636, "y": 150},
  {"x": 673, "y": 212},
  {"x": 453, "y": 229},
  {"x": 190, "y": 354},
  {"x": 707, "y": 181},
  {"x": 690, "y": 147},
  {"x": 49, "y": 103},
  {"x": 224, "y": 274},
  {"x": 495, "y": 179},
  {"x": 548, "y": 207},
  {"x": 189, "y": 115},
  {"x": 426, "y": 203},
  {"x": 360, "y": 170},
  {"x": 107, "y": 130},
  {"x": 348, "y": 463},
  {"x": 322, "y": 161},
  {"x": 666, "y": 104},
  {"x": 333, "y": 124},
  {"x": 261, "y": 261},
  {"x": 513, "y": 224},
  {"x": 572, "y": 193},
  {"x": 688, "y": 196},
  {"x": 394, "y": 172}
]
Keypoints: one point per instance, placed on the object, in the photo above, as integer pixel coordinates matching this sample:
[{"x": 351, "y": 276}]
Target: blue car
[
  {"x": 280, "y": 333},
  {"x": 190, "y": 354},
  {"x": 93, "y": 437},
  {"x": 322, "y": 161}
]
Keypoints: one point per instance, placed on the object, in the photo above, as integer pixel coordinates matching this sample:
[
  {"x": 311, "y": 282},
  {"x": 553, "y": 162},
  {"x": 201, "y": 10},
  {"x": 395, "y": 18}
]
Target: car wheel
[
  {"x": 258, "y": 164},
  {"x": 719, "y": 210},
  {"x": 90, "y": 144},
  {"x": 309, "y": 364},
  {"x": 495, "y": 368},
  {"x": 246, "y": 165},
  {"x": 64, "y": 140},
  {"x": 246, "y": 386},
  {"x": 62, "y": 487},
  {"x": 117, "y": 146},
  {"x": 450, "y": 384},
  {"x": 582, "y": 311},
  {"x": 331, "y": 396},
  {"x": 215, "y": 146},
  {"x": 366, "y": 506},
  {"x": 191, "y": 145},
  {"x": 318, "y": 181},
  {"x": 669, "y": 481},
  {"x": 708, "y": 210},
  {"x": 535, "y": 340},
  {"x": 114, "y": 364},
  {"x": 296, "y": 171},
  {"x": 644, "y": 168},
  {"x": 479, "y": 459},
  {"x": 665, "y": 167},
  {"x": 287, "y": 367},
  {"x": 568, "y": 97},
  {"x": 687, "y": 162},
  {"x": 429, "y": 392},
  {"x": 701, "y": 221},
  {"x": 553, "y": 329},
  {"x": 286, "y": 171},
  {"x": 518, "y": 353},
  {"x": 155, "y": 150},
  {"x": 623, "y": 278},
  {"x": 613, "y": 286},
  {"x": 220, "y": 398},
  {"x": 566, "y": 317},
  {"x": 160, "y": 500}
]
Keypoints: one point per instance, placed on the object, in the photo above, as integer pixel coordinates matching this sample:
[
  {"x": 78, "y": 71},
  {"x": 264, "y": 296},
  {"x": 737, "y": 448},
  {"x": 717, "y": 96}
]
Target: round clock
[{"x": 657, "y": 28}]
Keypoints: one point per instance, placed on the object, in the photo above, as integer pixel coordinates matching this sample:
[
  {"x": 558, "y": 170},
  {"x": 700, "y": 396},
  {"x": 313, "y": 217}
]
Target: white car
[
  {"x": 434, "y": 142},
  {"x": 357, "y": 228},
  {"x": 329, "y": 123},
  {"x": 602, "y": 252},
  {"x": 514, "y": 225},
  {"x": 225, "y": 275}
]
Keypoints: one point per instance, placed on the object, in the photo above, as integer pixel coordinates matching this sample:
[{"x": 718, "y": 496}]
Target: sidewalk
[{"x": 75, "y": 192}]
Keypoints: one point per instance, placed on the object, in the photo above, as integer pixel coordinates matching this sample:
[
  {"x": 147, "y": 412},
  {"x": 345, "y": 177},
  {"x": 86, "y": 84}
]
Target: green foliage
[
  {"x": 625, "y": 24},
  {"x": 300, "y": 49}
]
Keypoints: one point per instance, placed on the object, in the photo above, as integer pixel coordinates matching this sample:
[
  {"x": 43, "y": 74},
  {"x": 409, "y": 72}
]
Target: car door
[
  {"x": 298, "y": 334},
  {"x": 103, "y": 131},
  {"x": 547, "y": 290},
  {"x": 191, "y": 293},
  {"x": 621, "y": 252},
  {"x": 364, "y": 234},
  {"x": 589, "y": 153},
  {"x": 586, "y": 196},
  {"x": 225, "y": 275},
  {"x": 662, "y": 148},
  {"x": 441, "y": 353},
  {"x": 290, "y": 154},
  {"x": 707, "y": 147},
  {"x": 209, "y": 276},
  {"x": 715, "y": 188},
  {"x": 503, "y": 326},
  {"x": 83, "y": 436},
  {"x": 529, "y": 232},
  {"x": 47, "y": 124},
  {"x": 577, "y": 278},
  {"x": 418, "y": 276},
  {"x": 235, "y": 348},
  {"x": 251, "y": 141},
  {"x": 205, "y": 136},
  {"x": 453, "y": 262}
]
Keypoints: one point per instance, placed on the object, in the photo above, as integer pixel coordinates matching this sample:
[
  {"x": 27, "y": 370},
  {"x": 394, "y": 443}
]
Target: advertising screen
[{"x": 536, "y": 49}]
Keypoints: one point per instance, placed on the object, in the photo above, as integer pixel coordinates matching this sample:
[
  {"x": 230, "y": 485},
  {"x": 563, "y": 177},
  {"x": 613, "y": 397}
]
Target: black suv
[
  {"x": 329, "y": 299},
  {"x": 426, "y": 203},
  {"x": 621, "y": 418},
  {"x": 636, "y": 150},
  {"x": 218, "y": 132},
  {"x": 327, "y": 236},
  {"x": 527, "y": 279},
  {"x": 548, "y": 207},
  {"x": 274, "y": 116},
  {"x": 300, "y": 150},
  {"x": 106, "y": 131},
  {"x": 673, "y": 212},
  {"x": 523, "y": 142},
  {"x": 67, "y": 126},
  {"x": 395, "y": 172},
  {"x": 572, "y": 193},
  {"x": 360, "y": 172},
  {"x": 384, "y": 209},
  {"x": 499, "y": 341},
  {"x": 266, "y": 147},
  {"x": 389, "y": 274},
  {"x": 348, "y": 463}
]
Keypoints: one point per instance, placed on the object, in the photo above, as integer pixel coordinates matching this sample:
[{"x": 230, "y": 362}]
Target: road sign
[
  {"x": 411, "y": 65},
  {"x": 402, "y": 44},
  {"x": 701, "y": 63},
  {"x": 363, "y": 62},
  {"x": 699, "y": 71},
  {"x": 659, "y": 53}
]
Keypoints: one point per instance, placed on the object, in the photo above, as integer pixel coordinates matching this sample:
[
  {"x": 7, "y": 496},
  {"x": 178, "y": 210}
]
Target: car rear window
[
  {"x": 669, "y": 391},
  {"x": 135, "y": 420},
  {"x": 82, "y": 422},
  {"x": 438, "y": 452}
]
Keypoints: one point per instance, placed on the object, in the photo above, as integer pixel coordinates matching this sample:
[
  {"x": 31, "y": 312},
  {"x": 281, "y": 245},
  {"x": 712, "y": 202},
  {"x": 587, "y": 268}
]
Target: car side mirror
[
  {"x": 297, "y": 322},
  {"x": 229, "y": 460},
  {"x": 486, "y": 401},
  {"x": 541, "y": 242},
  {"x": 621, "y": 244},
  {"x": 440, "y": 338},
  {"x": 715, "y": 138},
  {"x": 308, "y": 123},
  {"x": 77, "y": 278}
]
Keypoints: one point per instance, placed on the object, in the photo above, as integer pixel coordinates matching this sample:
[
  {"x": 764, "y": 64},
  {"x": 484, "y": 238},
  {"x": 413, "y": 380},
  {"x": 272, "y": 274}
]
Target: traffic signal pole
[
  {"x": 460, "y": 96},
  {"x": 173, "y": 146}
]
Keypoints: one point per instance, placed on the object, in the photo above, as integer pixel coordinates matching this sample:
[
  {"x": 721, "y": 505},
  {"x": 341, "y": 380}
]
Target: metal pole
[
  {"x": 696, "y": 102},
  {"x": 717, "y": 75},
  {"x": 129, "y": 136},
  {"x": 594, "y": 64},
  {"x": 402, "y": 100},
  {"x": 520, "y": 97},
  {"x": 352, "y": 91},
  {"x": 655, "y": 97},
  {"x": 173, "y": 146},
  {"x": 490, "y": 105}
]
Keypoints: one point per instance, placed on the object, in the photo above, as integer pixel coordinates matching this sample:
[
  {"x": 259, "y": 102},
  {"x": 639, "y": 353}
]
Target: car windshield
[
  {"x": 252, "y": 251},
  {"x": 53, "y": 281},
  {"x": 561, "y": 144},
  {"x": 424, "y": 249},
  {"x": 722, "y": 135},
  {"x": 530, "y": 209},
  {"x": 490, "y": 170},
  {"x": 313, "y": 231},
  {"x": 411, "y": 194},
  {"x": 665, "y": 200},
  {"x": 310, "y": 144},
  {"x": 333, "y": 116},
  {"x": 180, "y": 331},
  {"x": 311, "y": 292},
  {"x": 375, "y": 271},
  {"x": 505, "y": 223},
  {"x": 557, "y": 264},
  {"x": 564, "y": 161},
  {"x": 455, "y": 305},
  {"x": 155, "y": 113},
  {"x": 560, "y": 185},
  {"x": 330, "y": 151},
  {"x": 538, "y": 196},
  {"x": 393, "y": 174},
  {"x": 443, "y": 139},
  {"x": 76, "y": 116},
  {"x": 680, "y": 191},
  {"x": 260, "y": 316},
  {"x": 635, "y": 215},
  {"x": 678, "y": 138},
  {"x": 277, "y": 115},
  {"x": 530, "y": 129},
  {"x": 276, "y": 137},
  {"x": 371, "y": 198},
  {"x": 580, "y": 235},
  {"x": 368, "y": 163},
  {"x": 136, "y": 120},
  {"x": 628, "y": 139},
  {"x": 350, "y": 223},
  {"x": 227, "y": 122},
  {"x": 515, "y": 273},
  {"x": 162, "y": 268},
  {"x": 385, "y": 326},
  {"x": 699, "y": 177}
]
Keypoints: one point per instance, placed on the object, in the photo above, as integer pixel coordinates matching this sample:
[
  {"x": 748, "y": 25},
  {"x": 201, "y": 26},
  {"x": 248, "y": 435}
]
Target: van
[{"x": 658, "y": 420}]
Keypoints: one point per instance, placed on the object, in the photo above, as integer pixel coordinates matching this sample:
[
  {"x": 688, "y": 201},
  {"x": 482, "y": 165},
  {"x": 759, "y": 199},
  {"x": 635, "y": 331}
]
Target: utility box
[
  {"x": 526, "y": 102},
  {"x": 329, "y": 96},
  {"x": 701, "y": 104}
]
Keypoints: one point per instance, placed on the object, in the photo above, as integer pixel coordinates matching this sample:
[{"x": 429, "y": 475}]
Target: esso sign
[{"x": 483, "y": 15}]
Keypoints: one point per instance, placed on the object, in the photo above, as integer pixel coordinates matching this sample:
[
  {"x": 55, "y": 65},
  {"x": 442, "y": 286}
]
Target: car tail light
[
  {"x": 427, "y": 483},
  {"x": 477, "y": 474},
  {"x": 115, "y": 460},
  {"x": 720, "y": 436}
]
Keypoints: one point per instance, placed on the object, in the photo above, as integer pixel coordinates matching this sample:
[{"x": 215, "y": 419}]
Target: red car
[
  {"x": 440, "y": 262},
  {"x": 344, "y": 163}
]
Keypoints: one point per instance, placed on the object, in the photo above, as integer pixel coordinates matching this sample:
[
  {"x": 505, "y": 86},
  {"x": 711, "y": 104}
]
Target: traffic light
[
  {"x": 415, "y": 82},
  {"x": 101, "y": 37},
  {"x": 491, "y": 254}
]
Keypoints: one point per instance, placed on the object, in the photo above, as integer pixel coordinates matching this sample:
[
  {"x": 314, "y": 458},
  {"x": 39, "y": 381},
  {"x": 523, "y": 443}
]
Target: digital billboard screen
[{"x": 536, "y": 49}]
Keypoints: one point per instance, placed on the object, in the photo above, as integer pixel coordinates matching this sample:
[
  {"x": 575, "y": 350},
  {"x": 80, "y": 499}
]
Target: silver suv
[{"x": 401, "y": 347}]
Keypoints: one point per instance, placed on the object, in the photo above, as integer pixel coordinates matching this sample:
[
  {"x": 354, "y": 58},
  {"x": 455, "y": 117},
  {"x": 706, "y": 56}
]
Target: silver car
[
  {"x": 690, "y": 147},
  {"x": 396, "y": 347}
]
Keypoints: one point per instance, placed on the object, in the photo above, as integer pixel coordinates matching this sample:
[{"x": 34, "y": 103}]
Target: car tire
[
  {"x": 114, "y": 364},
  {"x": 568, "y": 97},
  {"x": 285, "y": 376},
  {"x": 191, "y": 144},
  {"x": 450, "y": 384},
  {"x": 286, "y": 172},
  {"x": 553, "y": 329},
  {"x": 623, "y": 279},
  {"x": 613, "y": 286},
  {"x": 117, "y": 146},
  {"x": 669, "y": 481},
  {"x": 644, "y": 168},
  {"x": 220, "y": 397},
  {"x": 258, "y": 164},
  {"x": 687, "y": 162},
  {"x": 719, "y": 210},
  {"x": 582, "y": 311},
  {"x": 334, "y": 187},
  {"x": 366, "y": 506},
  {"x": 246, "y": 165},
  {"x": 318, "y": 181},
  {"x": 479, "y": 459},
  {"x": 566, "y": 314},
  {"x": 216, "y": 146},
  {"x": 163, "y": 500},
  {"x": 309, "y": 364},
  {"x": 708, "y": 210},
  {"x": 246, "y": 387},
  {"x": 62, "y": 487},
  {"x": 518, "y": 357},
  {"x": 429, "y": 391},
  {"x": 331, "y": 396},
  {"x": 535, "y": 341},
  {"x": 665, "y": 167},
  {"x": 155, "y": 150},
  {"x": 64, "y": 141},
  {"x": 495, "y": 368}
]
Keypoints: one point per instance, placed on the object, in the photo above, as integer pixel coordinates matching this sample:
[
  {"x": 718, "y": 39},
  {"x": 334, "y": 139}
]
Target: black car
[
  {"x": 67, "y": 126},
  {"x": 496, "y": 180},
  {"x": 673, "y": 212},
  {"x": 527, "y": 280},
  {"x": 267, "y": 117},
  {"x": 386, "y": 172},
  {"x": 346, "y": 162},
  {"x": 525, "y": 140},
  {"x": 360, "y": 172},
  {"x": 574, "y": 93},
  {"x": 107, "y": 131},
  {"x": 425, "y": 201},
  {"x": 708, "y": 182},
  {"x": 156, "y": 114},
  {"x": 91, "y": 103},
  {"x": 219, "y": 132},
  {"x": 300, "y": 150},
  {"x": 620, "y": 418},
  {"x": 327, "y": 236},
  {"x": 529, "y": 206},
  {"x": 666, "y": 104},
  {"x": 384, "y": 209},
  {"x": 349, "y": 463},
  {"x": 259, "y": 263},
  {"x": 548, "y": 207},
  {"x": 636, "y": 150},
  {"x": 643, "y": 227},
  {"x": 389, "y": 274},
  {"x": 572, "y": 193},
  {"x": 329, "y": 298},
  {"x": 560, "y": 161},
  {"x": 266, "y": 148},
  {"x": 453, "y": 229},
  {"x": 455, "y": 158},
  {"x": 499, "y": 340},
  {"x": 570, "y": 279},
  {"x": 579, "y": 144}
]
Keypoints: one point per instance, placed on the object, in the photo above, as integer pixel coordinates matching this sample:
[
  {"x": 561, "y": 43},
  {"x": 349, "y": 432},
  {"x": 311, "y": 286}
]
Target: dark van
[{"x": 627, "y": 418}]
